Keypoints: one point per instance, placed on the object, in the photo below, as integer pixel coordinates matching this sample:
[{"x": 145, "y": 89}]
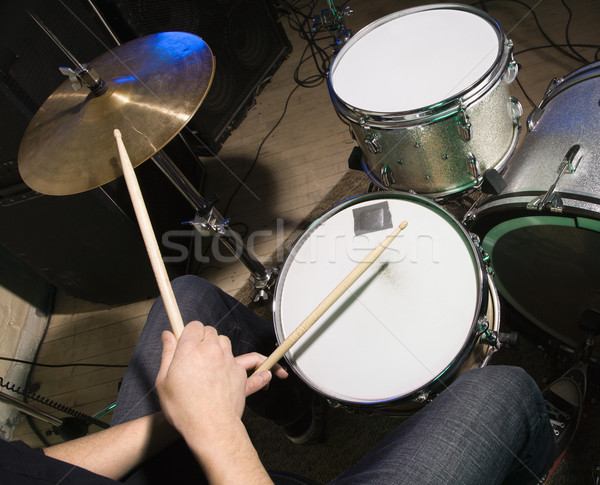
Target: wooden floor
[{"x": 299, "y": 162}]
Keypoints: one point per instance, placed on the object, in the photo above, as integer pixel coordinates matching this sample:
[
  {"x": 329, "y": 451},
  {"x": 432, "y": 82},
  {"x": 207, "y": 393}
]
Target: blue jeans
[
  {"x": 284, "y": 403},
  {"x": 490, "y": 426}
]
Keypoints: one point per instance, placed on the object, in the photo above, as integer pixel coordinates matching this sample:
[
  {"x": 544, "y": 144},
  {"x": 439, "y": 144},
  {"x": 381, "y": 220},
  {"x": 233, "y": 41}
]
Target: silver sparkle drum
[
  {"x": 543, "y": 231},
  {"x": 425, "y": 93},
  {"x": 411, "y": 323}
]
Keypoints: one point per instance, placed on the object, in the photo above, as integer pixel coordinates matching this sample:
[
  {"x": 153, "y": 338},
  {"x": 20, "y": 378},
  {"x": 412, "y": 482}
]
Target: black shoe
[
  {"x": 310, "y": 428},
  {"x": 564, "y": 402}
]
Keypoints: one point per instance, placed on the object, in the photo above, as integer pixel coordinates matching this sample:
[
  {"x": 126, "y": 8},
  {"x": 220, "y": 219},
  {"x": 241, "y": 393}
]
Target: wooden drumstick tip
[{"x": 329, "y": 300}]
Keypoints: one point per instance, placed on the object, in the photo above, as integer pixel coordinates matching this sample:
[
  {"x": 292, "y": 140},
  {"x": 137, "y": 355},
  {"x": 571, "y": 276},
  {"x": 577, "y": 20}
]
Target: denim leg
[
  {"x": 200, "y": 300},
  {"x": 491, "y": 423}
]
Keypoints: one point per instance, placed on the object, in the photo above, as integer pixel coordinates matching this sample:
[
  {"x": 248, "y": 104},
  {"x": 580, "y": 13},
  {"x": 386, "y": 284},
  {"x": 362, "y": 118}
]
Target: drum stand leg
[{"x": 209, "y": 221}]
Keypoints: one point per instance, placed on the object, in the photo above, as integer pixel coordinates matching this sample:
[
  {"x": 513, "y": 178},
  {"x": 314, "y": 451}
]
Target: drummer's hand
[
  {"x": 251, "y": 362},
  {"x": 200, "y": 381}
]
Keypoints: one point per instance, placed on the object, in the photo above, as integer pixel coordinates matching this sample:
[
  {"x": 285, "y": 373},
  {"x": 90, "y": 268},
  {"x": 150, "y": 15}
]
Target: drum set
[{"x": 434, "y": 123}]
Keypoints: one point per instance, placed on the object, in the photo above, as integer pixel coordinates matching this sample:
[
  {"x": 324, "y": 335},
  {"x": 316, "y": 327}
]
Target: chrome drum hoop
[
  {"x": 445, "y": 107},
  {"x": 428, "y": 150},
  {"x": 471, "y": 354}
]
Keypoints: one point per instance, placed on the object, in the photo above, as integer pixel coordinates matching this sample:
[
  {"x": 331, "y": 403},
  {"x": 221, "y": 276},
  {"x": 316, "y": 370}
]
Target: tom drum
[{"x": 425, "y": 93}]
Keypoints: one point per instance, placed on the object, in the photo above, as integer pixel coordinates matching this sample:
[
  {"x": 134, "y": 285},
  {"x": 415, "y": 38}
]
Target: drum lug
[
  {"x": 513, "y": 67},
  {"x": 534, "y": 118},
  {"x": 536, "y": 114},
  {"x": 516, "y": 109},
  {"x": 372, "y": 141},
  {"x": 485, "y": 257},
  {"x": 551, "y": 199},
  {"x": 555, "y": 82},
  {"x": 422, "y": 397},
  {"x": 387, "y": 176},
  {"x": 473, "y": 166},
  {"x": 512, "y": 71},
  {"x": 487, "y": 336},
  {"x": 463, "y": 124}
]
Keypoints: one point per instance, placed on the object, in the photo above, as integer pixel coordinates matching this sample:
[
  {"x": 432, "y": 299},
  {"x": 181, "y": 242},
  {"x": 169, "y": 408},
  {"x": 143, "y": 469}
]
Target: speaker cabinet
[{"x": 245, "y": 37}]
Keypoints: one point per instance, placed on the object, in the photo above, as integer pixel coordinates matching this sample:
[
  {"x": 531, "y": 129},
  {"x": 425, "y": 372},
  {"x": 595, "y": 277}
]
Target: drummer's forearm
[
  {"x": 116, "y": 451},
  {"x": 226, "y": 454}
]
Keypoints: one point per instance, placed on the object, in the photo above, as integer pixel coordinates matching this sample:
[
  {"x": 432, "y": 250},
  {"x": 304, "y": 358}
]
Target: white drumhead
[
  {"x": 414, "y": 61},
  {"x": 402, "y": 323}
]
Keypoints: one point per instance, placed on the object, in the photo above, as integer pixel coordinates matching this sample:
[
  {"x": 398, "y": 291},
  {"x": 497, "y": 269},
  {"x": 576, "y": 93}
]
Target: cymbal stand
[{"x": 209, "y": 221}]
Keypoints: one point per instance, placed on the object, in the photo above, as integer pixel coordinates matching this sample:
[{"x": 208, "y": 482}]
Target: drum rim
[
  {"x": 483, "y": 287},
  {"x": 501, "y": 209},
  {"x": 575, "y": 204},
  {"x": 441, "y": 109},
  {"x": 575, "y": 77}
]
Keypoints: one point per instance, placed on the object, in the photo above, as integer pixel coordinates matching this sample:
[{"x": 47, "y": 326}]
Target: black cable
[
  {"x": 300, "y": 21},
  {"x": 543, "y": 32},
  {"x": 29, "y": 419},
  {"x": 548, "y": 46},
  {"x": 53, "y": 404},
  {"x": 531, "y": 102},
  {"x": 252, "y": 165},
  {"x": 571, "y": 47},
  {"x": 39, "y": 364}
]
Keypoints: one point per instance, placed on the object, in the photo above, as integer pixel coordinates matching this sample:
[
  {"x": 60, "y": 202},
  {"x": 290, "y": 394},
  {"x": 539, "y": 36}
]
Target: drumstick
[
  {"x": 160, "y": 273},
  {"x": 329, "y": 300}
]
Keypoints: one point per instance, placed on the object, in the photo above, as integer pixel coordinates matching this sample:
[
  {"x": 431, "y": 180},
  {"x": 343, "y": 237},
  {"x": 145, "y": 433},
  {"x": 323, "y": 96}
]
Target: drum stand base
[{"x": 209, "y": 222}]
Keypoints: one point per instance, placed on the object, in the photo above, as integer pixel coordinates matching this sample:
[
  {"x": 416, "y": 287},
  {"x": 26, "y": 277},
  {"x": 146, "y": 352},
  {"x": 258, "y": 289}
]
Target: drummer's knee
[
  {"x": 500, "y": 380},
  {"x": 193, "y": 286}
]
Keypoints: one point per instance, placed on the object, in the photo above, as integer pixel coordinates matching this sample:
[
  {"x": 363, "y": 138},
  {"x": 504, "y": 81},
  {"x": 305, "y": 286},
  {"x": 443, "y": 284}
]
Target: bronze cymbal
[{"x": 154, "y": 85}]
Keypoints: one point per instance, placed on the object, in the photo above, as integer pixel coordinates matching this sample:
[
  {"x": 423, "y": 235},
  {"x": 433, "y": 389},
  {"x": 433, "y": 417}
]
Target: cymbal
[{"x": 154, "y": 84}]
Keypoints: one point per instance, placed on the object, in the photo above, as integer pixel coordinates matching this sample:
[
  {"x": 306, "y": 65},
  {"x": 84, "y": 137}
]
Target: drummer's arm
[
  {"x": 116, "y": 451},
  {"x": 218, "y": 439},
  {"x": 201, "y": 366}
]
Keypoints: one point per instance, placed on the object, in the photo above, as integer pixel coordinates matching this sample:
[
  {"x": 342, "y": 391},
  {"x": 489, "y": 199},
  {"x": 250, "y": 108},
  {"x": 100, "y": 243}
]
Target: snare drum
[
  {"x": 410, "y": 323},
  {"x": 425, "y": 93},
  {"x": 543, "y": 231}
]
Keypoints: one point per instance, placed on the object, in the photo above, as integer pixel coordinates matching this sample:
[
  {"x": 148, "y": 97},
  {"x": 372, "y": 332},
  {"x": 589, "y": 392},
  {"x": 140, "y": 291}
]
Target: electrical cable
[
  {"x": 75, "y": 364},
  {"x": 577, "y": 57},
  {"x": 299, "y": 21},
  {"x": 547, "y": 46},
  {"x": 29, "y": 419},
  {"x": 53, "y": 404},
  {"x": 253, "y": 164},
  {"x": 529, "y": 100},
  {"x": 570, "y": 46},
  {"x": 28, "y": 395},
  {"x": 573, "y": 54}
]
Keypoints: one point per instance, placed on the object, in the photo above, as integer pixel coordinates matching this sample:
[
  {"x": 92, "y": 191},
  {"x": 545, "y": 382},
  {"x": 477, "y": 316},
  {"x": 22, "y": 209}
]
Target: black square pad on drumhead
[{"x": 376, "y": 217}]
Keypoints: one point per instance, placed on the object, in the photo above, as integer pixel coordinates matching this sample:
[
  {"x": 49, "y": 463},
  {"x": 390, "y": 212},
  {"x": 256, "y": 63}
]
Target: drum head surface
[
  {"x": 415, "y": 61},
  {"x": 402, "y": 323}
]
